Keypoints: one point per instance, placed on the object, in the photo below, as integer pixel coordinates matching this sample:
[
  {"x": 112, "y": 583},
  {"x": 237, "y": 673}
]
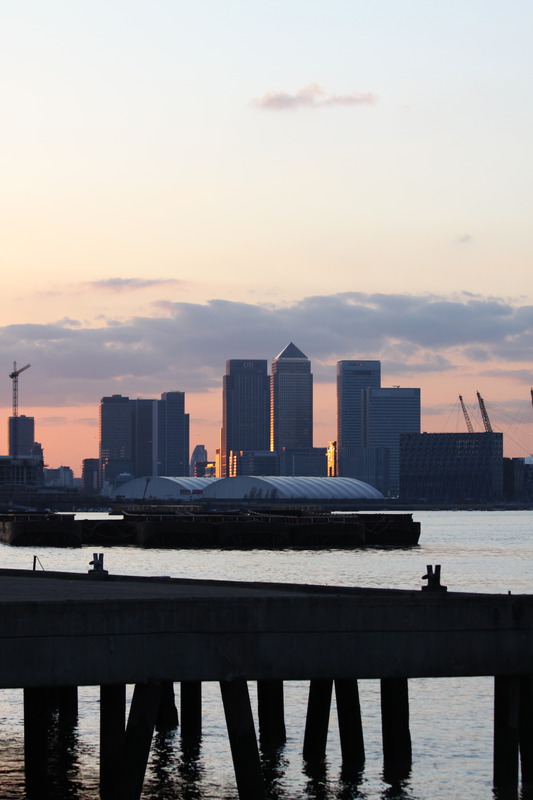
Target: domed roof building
[{"x": 249, "y": 488}]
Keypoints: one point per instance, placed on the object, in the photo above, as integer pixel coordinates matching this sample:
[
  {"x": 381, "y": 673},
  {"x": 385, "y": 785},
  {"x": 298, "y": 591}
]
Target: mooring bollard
[
  {"x": 433, "y": 579},
  {"x": 97, "y": 563}
]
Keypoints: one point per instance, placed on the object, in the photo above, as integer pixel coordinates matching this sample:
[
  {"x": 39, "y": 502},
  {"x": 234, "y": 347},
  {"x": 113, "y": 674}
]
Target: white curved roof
[
  {"x": 163, "y": 488},
  {"x": 247, "y": 487},
  {"x": 251, "y": 487}
]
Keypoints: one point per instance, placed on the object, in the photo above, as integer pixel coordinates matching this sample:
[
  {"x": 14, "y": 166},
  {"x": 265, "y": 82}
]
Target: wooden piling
[
  {"x": 317, "y": 721},
  {"x": 191, "y": 709},
  {"x": 36, "y": 725},
  {"x": 112, "y": 731},
  {"x": 137, "y": 740},
  {"x": 350, "y": 726},
  {"x": 167, "y": 713},
  {"x": 243, "y": 742},
  {"x": 397, "y": 754},
  {"x": 526, "y": 729},
  {"x": 506, "y": 730},
  {"x": 271, "y": 714},
  {"x": 67, "y": 705}
]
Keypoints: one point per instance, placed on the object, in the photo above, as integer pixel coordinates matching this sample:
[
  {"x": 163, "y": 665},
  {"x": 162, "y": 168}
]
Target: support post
[
  {"x": 271, "y": 714},
  {"x": 317, "y": 720},
  {"x": 397, "y": 755},
  {"x": 36, "y": 726},
  {"x": 243, "y": 742},
  {"x": 350, "y": 726},
  {"x": 526, "y": 729},
  {"x": 67, "y": 697},
  {"x": 167, "y": 714},
  {"x": 191, "y": 709},
  {"x": 506, "y": 731},
  {"x": 112, "y": 730},
  {"x": 137, "y": 741}
]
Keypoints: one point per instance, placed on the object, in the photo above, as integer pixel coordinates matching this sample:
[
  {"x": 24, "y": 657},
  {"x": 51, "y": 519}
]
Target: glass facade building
[
  {"x": 245, "y": 409},
  {"x": 291, "y": 401}
]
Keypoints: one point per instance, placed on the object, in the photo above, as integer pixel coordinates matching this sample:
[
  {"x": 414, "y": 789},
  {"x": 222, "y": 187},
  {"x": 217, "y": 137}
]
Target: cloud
[
  {"x": 312, "y": 96},
  {"x": 186, "y": 346},
  {"x": 129, "y": 284},
  {"x": 463, "y": 238}
]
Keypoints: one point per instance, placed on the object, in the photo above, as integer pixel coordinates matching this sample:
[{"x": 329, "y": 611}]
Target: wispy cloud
[
  {"x": 463, "y": 238},
  {"x": 312, "y": 96},
  {"x": 129, "y": 284}
]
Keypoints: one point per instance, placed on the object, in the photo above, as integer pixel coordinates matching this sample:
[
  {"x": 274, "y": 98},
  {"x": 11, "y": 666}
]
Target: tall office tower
[
  {"x": 90, "y": 475},
  {"x": 245, "y": 409},
  {"x": 352, "y": 378},
  {"x": 116, "y": 437},
  {"x": 387, "y": 413},
  {"x": 291, "y": 401},
  {"x": 199, "y": 456},
  {"x": 172, "y": 435},
  {"x": 20, "y": 435},
  {"x": 144, "y": 437}
]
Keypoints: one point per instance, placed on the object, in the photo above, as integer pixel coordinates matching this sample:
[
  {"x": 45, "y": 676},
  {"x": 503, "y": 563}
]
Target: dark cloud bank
[{"x": 184, "y": 346}]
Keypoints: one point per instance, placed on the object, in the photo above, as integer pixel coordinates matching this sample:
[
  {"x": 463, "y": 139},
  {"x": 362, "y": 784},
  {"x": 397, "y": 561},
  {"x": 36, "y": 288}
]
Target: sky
[{"x": 184, "y": 183}]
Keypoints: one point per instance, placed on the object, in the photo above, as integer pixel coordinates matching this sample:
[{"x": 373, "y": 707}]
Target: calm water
[{"x": 451, "y": 719}]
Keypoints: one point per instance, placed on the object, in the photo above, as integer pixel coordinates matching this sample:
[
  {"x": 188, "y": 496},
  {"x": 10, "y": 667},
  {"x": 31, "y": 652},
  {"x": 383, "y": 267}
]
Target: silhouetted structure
[
  {"x": 143, "y": 437},
  {"x": 451, "y": 467},
  {"x": 291, "y": 401},
  {"x": 21, "y": 435},
  {"x": 353, "y": 377},
  {"x": 172, "y": 435},
  {"x": 245, "y": 409},
  {"x": 199, "y": 456}
]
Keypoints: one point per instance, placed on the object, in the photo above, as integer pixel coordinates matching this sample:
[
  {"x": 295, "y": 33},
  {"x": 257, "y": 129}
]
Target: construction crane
[
  {"x": 14, "y": 426},
  {"x": 15, "y": 378},
  {"x": 467, "y": 418},
  {"x": 486, "y": 420}
]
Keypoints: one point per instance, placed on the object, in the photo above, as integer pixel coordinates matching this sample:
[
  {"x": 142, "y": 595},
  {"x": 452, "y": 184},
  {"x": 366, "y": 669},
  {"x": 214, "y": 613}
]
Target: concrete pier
[{"x": 68, "y": 630}]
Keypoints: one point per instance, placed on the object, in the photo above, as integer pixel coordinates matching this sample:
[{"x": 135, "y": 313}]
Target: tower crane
[
  {"x": 15, "y": 378},
  {"x": 14, "y": 444},
  {"x": 467, "y": 418},
  {"x": 486, "y": 420}
]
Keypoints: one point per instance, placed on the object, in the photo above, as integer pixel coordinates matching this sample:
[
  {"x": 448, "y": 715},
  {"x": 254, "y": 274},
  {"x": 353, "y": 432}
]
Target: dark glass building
[
  {"x": 20, "y": 435},
  {"x": 352, "y": 378},
  {"x": 451, "y": 467},
  {"x": 172, "y": 435},
  {"x": 245, "y": 409},
  {"x": 291, "y": 401},
  {"x": 144, "y": 437}
]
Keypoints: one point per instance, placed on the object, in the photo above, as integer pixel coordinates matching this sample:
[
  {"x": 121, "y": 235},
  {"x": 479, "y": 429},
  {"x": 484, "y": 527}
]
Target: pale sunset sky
[{"x": 184, "y": 183}]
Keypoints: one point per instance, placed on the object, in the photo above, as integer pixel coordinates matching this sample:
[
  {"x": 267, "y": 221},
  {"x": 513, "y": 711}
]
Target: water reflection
[{"x": 274, "y": 765}]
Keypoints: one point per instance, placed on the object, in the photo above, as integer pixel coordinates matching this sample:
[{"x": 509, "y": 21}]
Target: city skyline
[
  {"x": 173, "y": 193},
  {"x": 327, "y": 403}
]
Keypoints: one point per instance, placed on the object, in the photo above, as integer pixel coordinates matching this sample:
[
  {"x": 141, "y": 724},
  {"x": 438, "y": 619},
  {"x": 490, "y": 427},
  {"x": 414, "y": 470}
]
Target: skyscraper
[
  {"x": 387, "y": 413},
  {"x": 245, "y": 409},
  {"x": 352, "y": 378},
  {"x": 291, "y": 401},
  {"x": 116, "y": 436},
  {"x": 144, "y": 437},
  {"x": 20, "y": 435},
  {"x": 172, "y": 435}
]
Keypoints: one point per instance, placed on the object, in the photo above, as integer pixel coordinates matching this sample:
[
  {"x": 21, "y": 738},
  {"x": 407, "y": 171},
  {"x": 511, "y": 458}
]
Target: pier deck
[{"x": 70, "y": 629}]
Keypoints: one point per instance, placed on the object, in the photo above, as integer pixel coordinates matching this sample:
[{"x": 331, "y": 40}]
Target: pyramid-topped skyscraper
[{"x": 291, "y": 400}]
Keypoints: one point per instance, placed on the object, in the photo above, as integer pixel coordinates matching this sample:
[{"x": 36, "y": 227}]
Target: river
[{"x": 451, "y": 719}]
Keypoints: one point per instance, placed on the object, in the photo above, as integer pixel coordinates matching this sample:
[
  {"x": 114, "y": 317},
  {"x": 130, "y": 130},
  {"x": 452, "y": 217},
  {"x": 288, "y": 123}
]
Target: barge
[{"x": 200, "y": 529}]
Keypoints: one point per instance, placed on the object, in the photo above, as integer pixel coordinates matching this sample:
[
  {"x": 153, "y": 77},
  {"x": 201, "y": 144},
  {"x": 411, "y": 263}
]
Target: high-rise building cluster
[
  {"x": 267, "y": 430},
  {"x": 140, "y": 437},
  {"x": 267, "y": 426}
]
